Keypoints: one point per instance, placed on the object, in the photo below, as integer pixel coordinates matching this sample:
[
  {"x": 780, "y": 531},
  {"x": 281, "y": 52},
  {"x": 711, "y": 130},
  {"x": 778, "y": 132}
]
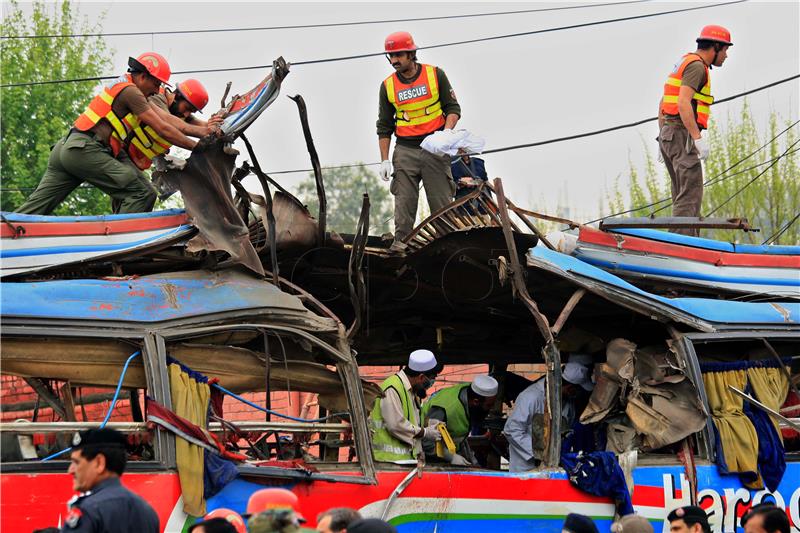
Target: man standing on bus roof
[
  {"x": 395, "y": 419},
  {"x": 114, "y": 119},
  {"x": 104, "y": 506},
  {"x": 414, "y": 102},
  {"x": 683, "y": 115}
]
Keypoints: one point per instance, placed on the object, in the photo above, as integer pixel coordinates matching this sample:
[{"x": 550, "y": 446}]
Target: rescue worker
[
  {"x": 688, "y": 519},
  {"x": 395, "y": 418},
  {"x": 104, "y": 505},
  {"x": 683, "y": 115},
  {"x": 89, "y": 152},
  {"x": 460, "y": 407},
  {"x": 414, "y": 102},
  {"x": 273, "y": 511},
  {"x": 519, "y": 427},
  {"x": 178, "y": 108}
]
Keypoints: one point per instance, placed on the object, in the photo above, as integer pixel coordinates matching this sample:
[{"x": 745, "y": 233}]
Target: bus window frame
[
  {"x": 689, "y": 340},
  {"x": 163, "y": 442}
]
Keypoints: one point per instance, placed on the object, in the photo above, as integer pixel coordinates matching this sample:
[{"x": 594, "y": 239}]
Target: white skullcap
[
  {"x": 577, "y": 374},
  {"x": 421, "y": 360},
  {"x": 484, "y": 385},
  {"x": 581, "y": 359}
]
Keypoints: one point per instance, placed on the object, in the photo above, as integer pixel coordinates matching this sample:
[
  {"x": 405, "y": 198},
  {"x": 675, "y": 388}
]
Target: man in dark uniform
[{"x": 104, "y": 505}]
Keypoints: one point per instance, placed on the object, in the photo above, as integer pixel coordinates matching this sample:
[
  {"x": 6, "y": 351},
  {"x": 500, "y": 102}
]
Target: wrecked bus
[{"x": 169, "y": 342}]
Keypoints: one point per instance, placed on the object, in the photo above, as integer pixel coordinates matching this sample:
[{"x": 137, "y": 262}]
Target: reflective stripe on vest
[
  {"x": 418, "y": 110},
  {"x": 672, "y": 88},
  {"x": 457, "y": 416},
  {"x": 385, "y": 447},
  {"x": 142, "y": 153},
  {"x": 100, "y": 108}
]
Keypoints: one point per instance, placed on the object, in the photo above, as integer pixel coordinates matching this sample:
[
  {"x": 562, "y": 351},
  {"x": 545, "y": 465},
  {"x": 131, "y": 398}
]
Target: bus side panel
[{"x": 33, "y": 501}]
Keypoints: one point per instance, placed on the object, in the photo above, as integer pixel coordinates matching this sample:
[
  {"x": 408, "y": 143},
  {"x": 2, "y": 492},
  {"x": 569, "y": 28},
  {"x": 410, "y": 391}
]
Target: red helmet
[
  {"x": 717, "y": 34},
  {"x": 194, "y": 93},
  {"x": 399, "y": 41},
  {"x": 155, "y": 64},
  {"x": 274, "y": 500},
  {"x": 233, "y": 517}
]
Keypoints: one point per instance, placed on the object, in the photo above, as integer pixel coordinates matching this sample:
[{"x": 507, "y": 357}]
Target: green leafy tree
[
  {"x": 344, "y": 188},
  {"x": 770, "y": 193},
  {"x": 35, "y": 117}
]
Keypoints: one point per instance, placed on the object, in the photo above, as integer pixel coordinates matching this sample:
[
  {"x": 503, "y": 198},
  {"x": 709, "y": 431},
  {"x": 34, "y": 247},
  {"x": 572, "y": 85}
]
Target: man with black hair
[
  {"x": 461, "y": 407},
  {"x": 765, "y": 518},
  {"x": 336, "y": 520},
  {"x": 414, "y": 102},
  {"x": 95, "y": 149},
  {"x": 104, "y": 506},
  {"x": 688, "y": 519},
  {"x": 683, "y": 115},
  {"x": 395, "y": 419}
]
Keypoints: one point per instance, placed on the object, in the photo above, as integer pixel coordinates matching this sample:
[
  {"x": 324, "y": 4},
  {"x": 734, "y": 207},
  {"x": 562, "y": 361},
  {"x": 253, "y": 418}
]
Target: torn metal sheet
[
  {"x": 205, "y": 185},
  {"x": 242, "y": 110}
]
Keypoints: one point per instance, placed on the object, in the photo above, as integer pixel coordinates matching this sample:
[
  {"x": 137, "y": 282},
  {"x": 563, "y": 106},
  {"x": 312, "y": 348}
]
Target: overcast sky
[{"x": 511, "y": 91}]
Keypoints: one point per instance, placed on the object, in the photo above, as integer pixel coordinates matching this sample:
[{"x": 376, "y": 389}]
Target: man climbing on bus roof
[
  {"x": 414, "y": 102},
  {"x": 683, "y": 115},
  {"x": 395, "y": 419},
  {"x": 104, "y": 506},
  {"x": 460, "y": 407},
  {"x": 114, "y": 119}
]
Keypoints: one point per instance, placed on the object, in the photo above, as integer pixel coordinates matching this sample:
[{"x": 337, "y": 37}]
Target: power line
[
  {"x": 373, "y": 54},
  {"x": 560, "y": 139},
  {"x": 777, "y": 235},
  {"x": 321, "y": 25},
  {"x": 722, "y": 175},
  {"x": 710, "y": 181},
  {"x": 746, "y": 185}
]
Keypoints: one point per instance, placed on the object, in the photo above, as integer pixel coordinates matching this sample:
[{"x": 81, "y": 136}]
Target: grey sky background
[{"x": 512, "y": 91}]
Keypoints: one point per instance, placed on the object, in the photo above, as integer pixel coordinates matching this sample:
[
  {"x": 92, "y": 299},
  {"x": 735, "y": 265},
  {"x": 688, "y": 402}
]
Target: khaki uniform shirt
[{"x": 129, "y": 100}]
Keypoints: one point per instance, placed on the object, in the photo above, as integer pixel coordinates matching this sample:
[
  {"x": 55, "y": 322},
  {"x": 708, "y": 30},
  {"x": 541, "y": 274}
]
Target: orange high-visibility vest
[
  {"x": 417, "y": 105},
  {"x": 142, "y": 153},
  {"x": 672, "y": 88}
]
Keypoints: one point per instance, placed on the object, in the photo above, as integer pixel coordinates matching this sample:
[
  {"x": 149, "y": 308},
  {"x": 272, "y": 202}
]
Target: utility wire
[
  {"x": 714, "y": 179},
  {"x": 321, "y": 25},
  {"x": 373, "y": 54},
  {"x": 559, "y": 139},
  {"x": 722, "y": 175},
  {"x": 746, "y": 185},
  {"x": 777, "y": 235}
]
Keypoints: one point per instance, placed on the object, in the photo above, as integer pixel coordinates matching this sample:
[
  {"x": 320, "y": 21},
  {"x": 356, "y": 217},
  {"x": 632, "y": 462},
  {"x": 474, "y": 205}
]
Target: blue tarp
[{"x": 718, "y": 311}]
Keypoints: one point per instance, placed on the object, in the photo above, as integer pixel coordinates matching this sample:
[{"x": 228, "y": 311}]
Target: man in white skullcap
[
  {"x": 395, "y": 420},
  {"x": 460, "y": 407},
  {"x": 530, "y": 402}
]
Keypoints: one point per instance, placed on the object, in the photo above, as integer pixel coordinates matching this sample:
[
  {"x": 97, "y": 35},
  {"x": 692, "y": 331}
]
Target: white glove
[
  {"x": 431, "y": 433},
  {"x": 702, "y": 148},
  {"x": 386, "y": 170},
  {"x": 459, "y": 460},
  {"x": 658, "y": 151}
]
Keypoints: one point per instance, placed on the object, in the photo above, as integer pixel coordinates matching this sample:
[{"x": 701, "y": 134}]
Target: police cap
[
  {"x": 99, "y": 438},
  {"x": 690, "y": 514}
]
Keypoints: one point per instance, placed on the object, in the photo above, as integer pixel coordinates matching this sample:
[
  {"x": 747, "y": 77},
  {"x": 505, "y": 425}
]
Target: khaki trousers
[
  {"x": 412, "y": 165},
  {"x": 80, "y": 157},
  {"x": 685, "y": 171}
]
